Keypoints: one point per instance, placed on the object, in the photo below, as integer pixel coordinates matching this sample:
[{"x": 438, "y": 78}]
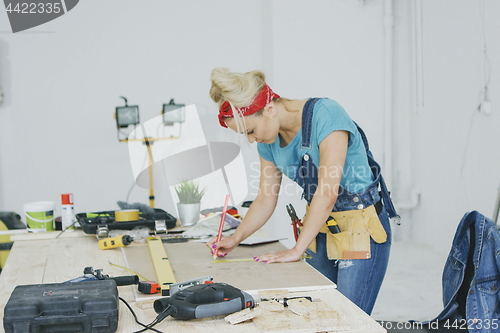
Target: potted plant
[{"x": 189, "y": 194}]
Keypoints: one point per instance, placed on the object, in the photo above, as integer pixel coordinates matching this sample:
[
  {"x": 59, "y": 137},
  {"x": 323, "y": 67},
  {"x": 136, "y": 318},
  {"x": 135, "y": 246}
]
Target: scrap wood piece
[
  {"x": 271, "y": 306},
  {"x": 301, "y": 306},
  {"x": 317, "y": 320},
  {"x": 277, "y": 294},
  {"x": 323, "y": 314},
  {"x": 243, "y": 315},
  {"x": 280, "y": 321},
  {"x": 325, "y": 317}
]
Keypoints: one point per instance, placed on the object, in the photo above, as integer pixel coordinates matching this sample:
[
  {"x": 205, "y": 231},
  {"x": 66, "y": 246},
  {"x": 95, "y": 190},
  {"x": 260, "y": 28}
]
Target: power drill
[{"x": 204, "y": 300}]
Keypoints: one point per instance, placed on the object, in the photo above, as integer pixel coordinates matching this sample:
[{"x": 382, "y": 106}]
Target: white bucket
[{"x": 39, "y": 215}]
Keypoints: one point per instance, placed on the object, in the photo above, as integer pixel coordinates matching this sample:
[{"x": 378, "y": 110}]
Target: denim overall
[{"x": 358, "y": 280}]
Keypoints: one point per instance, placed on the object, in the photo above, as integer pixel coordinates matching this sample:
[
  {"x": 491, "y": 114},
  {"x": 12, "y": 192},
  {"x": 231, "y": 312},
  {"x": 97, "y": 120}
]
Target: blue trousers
[{"x": 359, "y": 280}]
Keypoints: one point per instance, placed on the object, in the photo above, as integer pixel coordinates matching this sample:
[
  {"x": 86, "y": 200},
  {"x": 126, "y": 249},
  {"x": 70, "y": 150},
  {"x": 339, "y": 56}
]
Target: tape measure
[
  {"x": 304, "y": 256},
  {"x": 113, "y": 242},
  {"x": 128, "y": 270},
  {"x": 332, "y": 225},
  {"x": 233, "y": 260}
]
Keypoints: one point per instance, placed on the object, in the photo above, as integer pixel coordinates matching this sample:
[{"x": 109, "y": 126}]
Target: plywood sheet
[
  {"x": 57, "y": 260},
  {"x": 192, "y": 260}
]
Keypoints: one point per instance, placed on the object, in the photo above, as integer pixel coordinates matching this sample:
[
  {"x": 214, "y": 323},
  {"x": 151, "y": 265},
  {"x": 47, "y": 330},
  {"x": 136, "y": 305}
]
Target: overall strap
[
  {"x": 307, "y": 175},
  {"x": 307, "y": 114},
  {"x": 389, "y": 206},
  {"x": 365, "y": 141}
]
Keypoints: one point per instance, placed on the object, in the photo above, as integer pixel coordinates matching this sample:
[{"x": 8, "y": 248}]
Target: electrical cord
[
  {"x": 486, "y": 60},
  {"x": 164, "y": 314},
  {"x": 137, "y": 320},
  {"x": 484, "y": 103}
]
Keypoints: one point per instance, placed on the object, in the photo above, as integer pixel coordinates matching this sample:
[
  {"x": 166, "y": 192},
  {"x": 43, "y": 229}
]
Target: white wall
[
  {"x": 62, "y": 81},
  {"x": 454, "y": 149},
  {"x": 329, "y": 49}
]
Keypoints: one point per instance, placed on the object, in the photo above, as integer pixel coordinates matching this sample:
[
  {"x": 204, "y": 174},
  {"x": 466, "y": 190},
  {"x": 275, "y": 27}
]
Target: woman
[{"x": 316, "y": 144}]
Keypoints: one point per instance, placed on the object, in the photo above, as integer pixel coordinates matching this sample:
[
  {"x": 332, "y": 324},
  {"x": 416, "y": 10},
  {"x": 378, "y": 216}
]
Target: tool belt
[{"x": 353, "y": 242}]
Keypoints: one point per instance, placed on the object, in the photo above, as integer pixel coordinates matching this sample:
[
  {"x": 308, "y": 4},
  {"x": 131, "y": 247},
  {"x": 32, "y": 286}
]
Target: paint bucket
[{"x": 39, "y": 215}]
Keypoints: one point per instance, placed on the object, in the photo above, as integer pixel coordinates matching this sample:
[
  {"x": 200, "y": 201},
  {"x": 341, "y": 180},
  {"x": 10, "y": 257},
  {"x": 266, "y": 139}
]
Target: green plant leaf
[{"x": 189, "y": 192}]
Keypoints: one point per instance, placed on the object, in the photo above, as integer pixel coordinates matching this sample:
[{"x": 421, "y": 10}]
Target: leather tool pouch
[{"x": 353, "y": 242}]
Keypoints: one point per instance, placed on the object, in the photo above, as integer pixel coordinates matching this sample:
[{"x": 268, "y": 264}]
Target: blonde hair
[{"x": 239, "y": 89}]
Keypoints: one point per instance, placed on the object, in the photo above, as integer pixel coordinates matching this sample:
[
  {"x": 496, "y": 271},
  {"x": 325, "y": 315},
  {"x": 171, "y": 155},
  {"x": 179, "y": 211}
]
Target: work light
[
  {"x": 127, "y": 115},
  {"x": 173, "y": 113}
]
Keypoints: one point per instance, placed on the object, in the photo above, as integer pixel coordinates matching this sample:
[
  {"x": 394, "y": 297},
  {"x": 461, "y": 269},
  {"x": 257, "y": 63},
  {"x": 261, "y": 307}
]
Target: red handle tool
[{"x": 295, "y": 221}]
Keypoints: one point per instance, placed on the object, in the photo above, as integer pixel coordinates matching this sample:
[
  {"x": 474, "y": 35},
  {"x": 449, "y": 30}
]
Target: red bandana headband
[{"x": 264, "y": 97}]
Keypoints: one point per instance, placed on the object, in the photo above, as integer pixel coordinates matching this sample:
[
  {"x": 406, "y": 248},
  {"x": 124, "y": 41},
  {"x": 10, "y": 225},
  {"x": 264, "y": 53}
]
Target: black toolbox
[
  {"x": 90, "y": 306},
  {"x": 90, "y": 222}
]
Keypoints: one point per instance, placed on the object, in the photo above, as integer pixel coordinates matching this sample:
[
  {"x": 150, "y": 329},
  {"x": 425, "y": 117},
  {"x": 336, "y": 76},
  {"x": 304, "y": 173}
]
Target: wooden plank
[
  {"x": 25, "y": 265},
  {"x": 243, "y": 315},
  {"x": 358, "y": 321},
  {"x": 62, "y": 259},
  {"x": 30, "y": 236},
  {"x": 333, "y": 312},
  {"x": 58, "y": 260},
  {"x": 68, "y": 258},
  {"x": 193, "y": 259},
  {"x": 190, "y": 260}
]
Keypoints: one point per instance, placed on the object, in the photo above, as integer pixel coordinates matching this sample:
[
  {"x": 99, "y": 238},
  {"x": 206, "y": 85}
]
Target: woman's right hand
[{"x": 226, "y": 244}]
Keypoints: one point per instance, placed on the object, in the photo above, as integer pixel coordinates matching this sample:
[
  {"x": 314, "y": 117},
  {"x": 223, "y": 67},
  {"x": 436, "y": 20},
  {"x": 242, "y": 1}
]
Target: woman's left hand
[{"x": 282, "y": 256}]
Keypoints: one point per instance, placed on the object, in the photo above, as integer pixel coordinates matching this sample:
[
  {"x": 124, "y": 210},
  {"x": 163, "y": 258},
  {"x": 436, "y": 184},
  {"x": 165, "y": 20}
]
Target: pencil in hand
[{"x": 221, "y": 226}]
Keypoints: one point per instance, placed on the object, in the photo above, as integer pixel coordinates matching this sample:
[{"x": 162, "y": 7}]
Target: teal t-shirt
[{"x": 328, "y": 116}]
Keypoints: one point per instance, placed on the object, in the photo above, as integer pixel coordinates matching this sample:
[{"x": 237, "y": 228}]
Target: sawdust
[{"x": 304, "y": 316}]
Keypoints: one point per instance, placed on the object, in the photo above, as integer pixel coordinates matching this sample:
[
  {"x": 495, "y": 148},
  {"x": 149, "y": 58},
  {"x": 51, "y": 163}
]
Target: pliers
[{"x": 295, "y": 221}]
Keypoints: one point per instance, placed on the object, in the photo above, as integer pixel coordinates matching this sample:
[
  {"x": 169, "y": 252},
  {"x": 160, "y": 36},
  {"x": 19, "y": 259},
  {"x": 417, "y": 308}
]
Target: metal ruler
[
  {"x": 164, "y": 274},
  {"x": 304, "y": 256}
]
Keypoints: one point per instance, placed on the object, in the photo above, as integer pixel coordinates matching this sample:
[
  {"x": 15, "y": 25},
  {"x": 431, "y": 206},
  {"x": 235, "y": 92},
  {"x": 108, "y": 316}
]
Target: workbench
[{"x": 35, "y": 261}]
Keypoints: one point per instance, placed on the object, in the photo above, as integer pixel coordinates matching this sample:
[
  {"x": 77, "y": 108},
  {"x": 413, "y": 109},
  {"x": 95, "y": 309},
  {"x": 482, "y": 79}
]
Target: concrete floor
[{"x": 412, "y": 286}]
